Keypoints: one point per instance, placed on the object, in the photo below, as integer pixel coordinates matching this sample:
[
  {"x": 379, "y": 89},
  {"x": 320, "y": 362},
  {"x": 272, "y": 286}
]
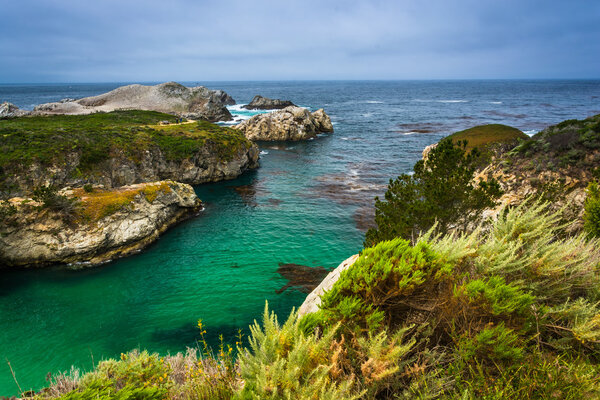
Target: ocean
[{"x": 309, "y": 204}]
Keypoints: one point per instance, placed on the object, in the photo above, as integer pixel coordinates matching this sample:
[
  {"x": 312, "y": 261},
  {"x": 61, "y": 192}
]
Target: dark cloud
[{"x": 135, "y": 40}]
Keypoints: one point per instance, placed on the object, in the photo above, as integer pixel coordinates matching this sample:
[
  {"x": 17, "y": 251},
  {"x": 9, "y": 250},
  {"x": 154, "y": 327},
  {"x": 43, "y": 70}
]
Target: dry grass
[{"x": 102, "y": 202}]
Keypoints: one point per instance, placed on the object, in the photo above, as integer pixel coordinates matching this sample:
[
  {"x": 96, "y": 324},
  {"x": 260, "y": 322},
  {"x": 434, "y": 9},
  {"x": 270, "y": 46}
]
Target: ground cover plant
[{"x": 48, "y": 140}]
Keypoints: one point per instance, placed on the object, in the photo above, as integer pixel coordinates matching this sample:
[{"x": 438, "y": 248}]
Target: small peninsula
[{"x": 88, "y": 188}]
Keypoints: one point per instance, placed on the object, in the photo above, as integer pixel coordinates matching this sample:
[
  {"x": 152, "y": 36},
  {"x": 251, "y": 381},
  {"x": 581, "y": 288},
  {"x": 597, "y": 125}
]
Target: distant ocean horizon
[{"x": 309, "y": 203}]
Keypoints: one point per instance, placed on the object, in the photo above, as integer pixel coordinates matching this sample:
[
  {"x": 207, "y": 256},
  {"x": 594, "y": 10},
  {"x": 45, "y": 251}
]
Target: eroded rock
[
  {"x": 170, "y": 97},
  {"x": 290, "y": 123},
  {"x": 94, "y": 233}
]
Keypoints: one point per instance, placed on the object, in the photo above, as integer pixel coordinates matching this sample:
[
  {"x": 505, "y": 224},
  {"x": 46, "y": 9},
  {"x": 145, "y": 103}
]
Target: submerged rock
[
  {"x": 264, "y": 103},
  {"x": 103, "y": 225},
  {"x": 291, "y": 123},
  {"x": 171, "y": 97},
  {"x": 301, "y": 277}
]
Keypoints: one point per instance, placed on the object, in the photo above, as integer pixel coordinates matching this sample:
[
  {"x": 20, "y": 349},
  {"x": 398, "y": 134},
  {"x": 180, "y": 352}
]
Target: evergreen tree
[{"x": 441, "y": 189}]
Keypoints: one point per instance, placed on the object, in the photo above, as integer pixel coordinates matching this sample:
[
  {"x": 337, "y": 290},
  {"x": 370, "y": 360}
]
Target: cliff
[
  {"x": 95, "y": 227},
  {"x": 171, "y": 97},
  {"x": 556, "y": 165},
  {"x": 291, "y": 123},
  {"x": 116, "y": 149}
]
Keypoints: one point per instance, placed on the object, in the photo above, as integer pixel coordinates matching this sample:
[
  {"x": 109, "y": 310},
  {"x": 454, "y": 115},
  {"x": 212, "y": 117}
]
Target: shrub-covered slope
[
  {"x": 117, "y": 148},
  {"x": 556, "y": 164}
]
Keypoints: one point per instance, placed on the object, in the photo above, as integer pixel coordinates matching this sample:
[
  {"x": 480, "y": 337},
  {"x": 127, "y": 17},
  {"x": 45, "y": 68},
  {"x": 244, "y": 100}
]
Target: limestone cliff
[{"x": 103, "y": 224}]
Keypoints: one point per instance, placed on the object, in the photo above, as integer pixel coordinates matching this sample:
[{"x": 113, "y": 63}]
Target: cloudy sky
[{"x": 198, "y": 40}]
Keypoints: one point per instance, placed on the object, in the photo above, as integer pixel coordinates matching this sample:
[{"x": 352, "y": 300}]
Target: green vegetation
[
  {"x": 49, "y": 198},
  {"x": 592, "y": 209},
  {"x": 567, "y": 144},
  {"x": 440, "y": 191},
  {"x": 484, "y": 135},
  {"x": 100, "y": 136}
]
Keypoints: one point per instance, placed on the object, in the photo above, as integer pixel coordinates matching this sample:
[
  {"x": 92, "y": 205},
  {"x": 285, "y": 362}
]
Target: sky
[{"x": 198, "y": 40}]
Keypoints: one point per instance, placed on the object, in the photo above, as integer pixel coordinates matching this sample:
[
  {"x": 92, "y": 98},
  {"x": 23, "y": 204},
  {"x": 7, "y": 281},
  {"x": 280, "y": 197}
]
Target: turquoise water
[{"x": 307, "y": 204}]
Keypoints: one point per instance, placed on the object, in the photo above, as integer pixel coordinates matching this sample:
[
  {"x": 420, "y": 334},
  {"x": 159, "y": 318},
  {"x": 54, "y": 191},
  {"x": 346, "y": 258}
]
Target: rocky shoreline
[{"x": 106, "y": 224}]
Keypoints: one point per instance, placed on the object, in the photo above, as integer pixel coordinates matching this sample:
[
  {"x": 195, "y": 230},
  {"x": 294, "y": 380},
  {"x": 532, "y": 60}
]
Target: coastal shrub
[
  {"x": 284, "y": 363},
  {"x": 478, "y": 308},
  {"x": 591, "y": 216},
  {"x": 440, "y": 191},
  {"x": 49, "y": 198}
]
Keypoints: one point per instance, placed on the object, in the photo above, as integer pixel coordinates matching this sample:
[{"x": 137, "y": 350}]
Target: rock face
[
  {"x": 9, "y": 110},
  {"x": 39, "y": 237},
  {"x": 291, "y": 123},
  {"x": 264, "y": 103},
  {"x": 171, "y": 97},
  {"x": 119, "y": 170},
  {"x": 313, "y": 300}
]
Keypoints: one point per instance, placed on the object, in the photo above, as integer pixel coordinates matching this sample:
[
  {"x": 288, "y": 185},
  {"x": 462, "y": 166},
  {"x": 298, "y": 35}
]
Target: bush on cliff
[{"x": 440, "y": 191}]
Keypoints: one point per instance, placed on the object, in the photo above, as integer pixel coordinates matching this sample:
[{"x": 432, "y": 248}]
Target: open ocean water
[{"x": 309, "y": 204}]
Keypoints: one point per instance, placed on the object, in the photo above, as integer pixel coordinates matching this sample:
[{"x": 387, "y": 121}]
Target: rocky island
[
  {"x": 170, "y": 97},
  {"x": 88, "y": 188},
  {"x": 264, "y": 103},
  {"x": 291, "y": 123}
]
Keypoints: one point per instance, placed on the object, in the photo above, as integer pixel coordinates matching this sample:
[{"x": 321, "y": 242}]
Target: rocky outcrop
[
  {"x": 313, "y": 300},
  {"x": 264, "y": 103},
  {"x": 291, "y": 123},
  {"x": 36, "y": 237},
  {"x": 119, "y": 170},
  {"x": 171, "y": 97},
  {"x": 9, "y": 110}
]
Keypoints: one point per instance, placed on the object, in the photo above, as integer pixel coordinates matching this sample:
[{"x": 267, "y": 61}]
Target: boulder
[
  {"x": 9, "y": 110},
  {"x": 291, "y": 123},
  {"x": 313, "y": 300},
  {"x": 171, "y": 97},
  {"x": 264, "y": 103}
]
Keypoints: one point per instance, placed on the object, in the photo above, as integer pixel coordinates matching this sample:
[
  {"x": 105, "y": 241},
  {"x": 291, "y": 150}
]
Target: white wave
[
  {"x": 264, "y": 153},
  {"x": 367, "y": 115},
  {"x": 495, "y": 102},
  {"x": 409, "y": 133},
  {"x": 374, "y": 102},
  {"x": 344, "y": 138},
  {"x": 439, "y": 101},
  {"x": 531, "y": 132}
]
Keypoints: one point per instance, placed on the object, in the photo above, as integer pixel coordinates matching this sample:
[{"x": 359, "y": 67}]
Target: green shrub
[{"x": 49, "y": 198}]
